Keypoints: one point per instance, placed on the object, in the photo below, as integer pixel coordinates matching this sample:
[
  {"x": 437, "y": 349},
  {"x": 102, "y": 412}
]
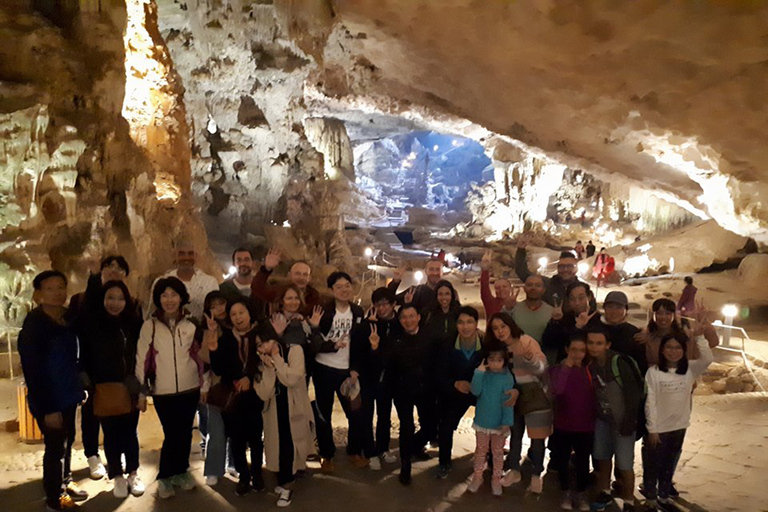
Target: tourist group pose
[{"x": 241, "y": 357}]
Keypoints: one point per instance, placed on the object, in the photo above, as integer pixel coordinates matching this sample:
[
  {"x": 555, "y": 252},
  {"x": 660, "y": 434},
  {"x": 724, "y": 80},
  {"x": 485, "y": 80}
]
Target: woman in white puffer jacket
[{"x": 168, "y": 366}]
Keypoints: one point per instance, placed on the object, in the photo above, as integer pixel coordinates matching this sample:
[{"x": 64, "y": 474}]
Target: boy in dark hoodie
[
  {"x": 619, "y": 393},
  {"x": 48, "y": 351}
]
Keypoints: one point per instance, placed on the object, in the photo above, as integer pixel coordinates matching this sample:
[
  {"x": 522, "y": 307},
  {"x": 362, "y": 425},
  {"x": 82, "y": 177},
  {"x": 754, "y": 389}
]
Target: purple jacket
[{"x": 574, "y": 397}]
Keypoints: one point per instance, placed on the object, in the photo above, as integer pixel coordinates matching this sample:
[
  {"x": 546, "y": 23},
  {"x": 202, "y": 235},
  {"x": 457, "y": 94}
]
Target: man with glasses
[{"x": 556, "y": 285}]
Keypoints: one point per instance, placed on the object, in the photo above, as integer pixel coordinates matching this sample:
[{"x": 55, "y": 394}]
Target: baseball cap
[{"x": 617, "y": 298}]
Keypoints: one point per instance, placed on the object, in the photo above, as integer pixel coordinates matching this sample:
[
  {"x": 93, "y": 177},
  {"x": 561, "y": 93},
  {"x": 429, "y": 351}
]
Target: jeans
[
  {"x": 660, "y": 461},
  {"x": 412, "y": 442},
  {"x": 450, "y": 411},
  {"x": 376, "y": 396},
  {"x": 535, "y": 452},
  {"x": 202, "y": 423},
  {"x": 121, "y": 438},
  {"x": 89, "y": 428},
  {"x": 177, "y": 416},
  {"x": 561, "y": 444},
  {"x": 58, "y": 455},
  {"x": 245, "y": 428},
  {"x": 216, "y": 445},
  {"x": 327, "y": 383}
]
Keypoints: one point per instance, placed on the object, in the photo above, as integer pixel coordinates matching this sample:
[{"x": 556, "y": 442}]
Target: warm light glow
[
  {"x": 232, "y": 270},
  {"x": 166, "y": 189},
  {"x": 286, "y": 224},
  {"x": 671, "y": 263},
  {"x": 730, "y": 310},
  {"x": 543, "y": 262},
  {"x": 368, "y": 252},
  {"x": 645, "y": 248},
  {"x": 418, "y": 276},
  {"x": 583, "y": 267},
  {"x": 640, "y": 264}
]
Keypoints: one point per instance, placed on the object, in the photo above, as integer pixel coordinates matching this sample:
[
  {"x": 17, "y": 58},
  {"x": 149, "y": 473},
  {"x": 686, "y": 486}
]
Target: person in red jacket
[
  {"x": 299, "y": 275},
  {"x": 506, "y": 296}
]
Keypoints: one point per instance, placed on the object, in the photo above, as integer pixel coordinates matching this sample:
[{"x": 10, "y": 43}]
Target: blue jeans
[
  {"x": 609, "y": 445},
  {"x": 216, "y": 447},
  {"x": 660, "y": 462}
]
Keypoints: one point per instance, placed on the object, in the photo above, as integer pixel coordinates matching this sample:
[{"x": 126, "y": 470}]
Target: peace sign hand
[
  {"x": 279, "y": 323},
  {"x": 557, "y": 311},
  {"x": 583, "y": 319},
  {"x": 485, "y": 263},
  {"x": 409, "y": 295},
  {"x": 317, "y": 315},
  {"x": 374, "y": 338},
  {"x": 211, "y": 323}
]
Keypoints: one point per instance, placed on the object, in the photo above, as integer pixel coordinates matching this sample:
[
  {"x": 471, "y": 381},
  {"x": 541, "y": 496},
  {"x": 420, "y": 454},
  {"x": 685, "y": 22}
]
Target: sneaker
[
  {"x": 359, "y": 461},
  {"x": 120, "y": 489},
  {"x": 388, "y": 457},
  {"x": 136, "y": 485},
  {"x": 581, "y": 502},
  {"x": 184, "y": 481},
  {"x": 475, "y": 484},
  {"x": 422, "y": 455},
  {"x": 566, "y": 503},
  {"x": 511, "y": 477},
  {"x": 67, "y": 503},
  {"x": 602, "y": 501},
  {"x": 326, "y": 465},
  {"x": 97, "y": 469},
  {"x": 257, "y": 482},
  {"x": 243, "y": 488},
  {"x": 75, "y": 492},
  {"x": 233, "y": 473},
  {"x": 211, "y": 480},
  {"x": 496, "y": 486},
  {"x": 536, "y": 485},
  {"x": 404, "y": 477},
  {"x": 286, "y": 495},
  {"x": 442, "y": 471},
  {"x": 375, "y": 463},
  {"x": 165, "y": 489}
]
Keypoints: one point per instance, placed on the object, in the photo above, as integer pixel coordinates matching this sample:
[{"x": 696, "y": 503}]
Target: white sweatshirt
[{"x": 668, "y": 407}]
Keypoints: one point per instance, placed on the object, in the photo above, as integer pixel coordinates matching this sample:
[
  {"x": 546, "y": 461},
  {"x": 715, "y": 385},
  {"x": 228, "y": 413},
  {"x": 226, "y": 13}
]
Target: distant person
[
  {"x": 505, "y": 297},
  {"x": 590, "y": 249},
  {"x": 687, "y": 303},
  {"x": 299, "y": 275},
  {"x": 603, "y": 267},
  {"x": 579, "y": 250},
  {"x": 196, "y": 282},
  {"x": 48, "y": 349},
  {"x": 423, "y": 295},
  {"x": 567, "y": 272}
]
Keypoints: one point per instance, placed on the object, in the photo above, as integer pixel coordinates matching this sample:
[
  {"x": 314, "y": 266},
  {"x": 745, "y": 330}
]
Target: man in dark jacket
[
  {"x": 48, "y": 351},
  {"x": 299, "y": 275},
  {"x": 578, "y": 315},
  {"x": 556, "y": 286},
  {"x": 423, "y": 295},
  {"x": 371, "y": 345},
  {"x": 456, "y": 364},
  {"x": 410, "y": 373},
  {"x": 620, "y": 332}
]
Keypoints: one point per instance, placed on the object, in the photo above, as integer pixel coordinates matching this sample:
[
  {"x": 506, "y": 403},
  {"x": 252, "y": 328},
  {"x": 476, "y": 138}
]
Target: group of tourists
[{"x": 242, "y": 355}]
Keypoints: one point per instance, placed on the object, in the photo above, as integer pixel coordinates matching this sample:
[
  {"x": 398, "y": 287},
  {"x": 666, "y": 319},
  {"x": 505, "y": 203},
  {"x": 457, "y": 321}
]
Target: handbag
[
  {"x": 111, "y": 399},
  {"x": 222, "y": 396},
  {"x": 532, "y": 398}
]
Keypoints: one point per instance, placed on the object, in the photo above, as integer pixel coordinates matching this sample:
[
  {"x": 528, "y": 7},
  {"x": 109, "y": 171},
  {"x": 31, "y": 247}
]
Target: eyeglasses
[
  {"x": 566, "y": 266},
  {"x": 114, "y": 267}
]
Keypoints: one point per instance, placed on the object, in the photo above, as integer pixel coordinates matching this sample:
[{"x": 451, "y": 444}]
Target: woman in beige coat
[{"x": 289, "y": 429}]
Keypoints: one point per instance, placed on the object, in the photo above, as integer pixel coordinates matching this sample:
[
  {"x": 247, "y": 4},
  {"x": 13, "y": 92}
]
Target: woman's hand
[
  {"x": 513, "y": 395},
  {"x": 210, "y": 323},
  {"x": 279, "y": 323},
  {"x": 243, "y": 384}
]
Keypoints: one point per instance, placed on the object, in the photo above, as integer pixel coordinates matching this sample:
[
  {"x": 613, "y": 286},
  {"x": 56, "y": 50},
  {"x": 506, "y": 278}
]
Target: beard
[{"x": 244, "y": 271}]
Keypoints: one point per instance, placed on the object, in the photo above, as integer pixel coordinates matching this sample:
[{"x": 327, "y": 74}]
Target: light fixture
[
  {"x": 232, "y": 270},
  {"x": 730, "y": 311},
  {"x": 583, "y": 267},
  {"x": 543, "y": 262},
  {"x": 368, "y": 252},
  {"x": 418, "y": 276}
]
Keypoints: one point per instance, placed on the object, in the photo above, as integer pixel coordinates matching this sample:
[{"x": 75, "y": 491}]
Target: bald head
[{"x": 299, "y": 274}]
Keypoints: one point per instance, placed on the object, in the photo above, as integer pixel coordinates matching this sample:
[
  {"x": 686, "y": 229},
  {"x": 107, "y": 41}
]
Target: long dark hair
[
  {"x": 514, "y": 330},
  {"x": 128, "y": 314},
  {"x": 669, "y": 306},
  {"x": 454, "y": 305},
  {"x": 682, "y": 365}
]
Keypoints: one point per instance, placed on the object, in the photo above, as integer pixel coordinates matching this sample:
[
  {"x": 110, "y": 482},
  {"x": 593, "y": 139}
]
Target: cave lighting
[
  {"x": 730, "y": 311},
  {"x": 418, "y": 276},
  {"x": 543, "y": 262},
  {"x": 286, "y": 224},
  {"x": 435, "y": 147},
  {"x": 212, "y": 127},
  {"x": 166, "y": 189},
  {"x": 583, "y": 267},
  {"x": 644, "y": 248},
  {"x": 232, "y": 270},
  {"x": 640, "y": 265},
  {"x": 671, "y": 263},
  {"x": 368, "y": 252}
]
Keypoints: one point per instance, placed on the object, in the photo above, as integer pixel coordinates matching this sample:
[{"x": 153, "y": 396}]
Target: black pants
[
  {"x": 177, "y": 416},
  {"x": 89, "y": 428},
  {"x": 285, "y": 473},
  {"x": 376, "y": 398},
  {"x": 245, "y": 428},
  {"x": 561, "y": 444},
  {"x": 412, "y": 442},
  {"x": 121, "y": 439},
  {"x": 58, "y": 455},
  {"x": 659, "y": 463},
  {"x": 327, "y": 383},
  {"x": 450, "y": 411}
]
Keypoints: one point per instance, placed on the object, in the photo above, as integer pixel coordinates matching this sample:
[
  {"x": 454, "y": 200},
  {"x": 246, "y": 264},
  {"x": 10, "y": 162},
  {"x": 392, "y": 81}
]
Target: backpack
[{"x": 638, "y": 375}]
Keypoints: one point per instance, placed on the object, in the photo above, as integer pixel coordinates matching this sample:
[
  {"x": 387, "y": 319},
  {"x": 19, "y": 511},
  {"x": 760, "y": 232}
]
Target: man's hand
[
  {"x": 485, "y": 262},
  {"x": 317, "y": 315},
  {"x": 557, "y": 311},
  {"x": 409, "y": 295},
  {"x": 643, "y": 336},
  {"x": 54, "y": 421},
  {"x": 510, "y": 301},
  {"x": 583, "y": 319},
  {"x": 513, "y": 395},
  {"x": 272, "y": 259},
  {"x": 462, "y": 386},
  {"x": 374, "y": 338},
  {"x": 243, "y": 384}
]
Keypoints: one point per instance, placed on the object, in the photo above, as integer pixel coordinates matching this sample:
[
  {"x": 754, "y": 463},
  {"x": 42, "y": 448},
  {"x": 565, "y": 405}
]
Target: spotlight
[
  {"x": 730, "y": 311},
  {"x": 583, "y": 267},
  {"x": 368, "y": 252},
  {"x": 232, "y": 270},
  {"x": 543, "y": 262},
  {"x": 418, "y": 276}
]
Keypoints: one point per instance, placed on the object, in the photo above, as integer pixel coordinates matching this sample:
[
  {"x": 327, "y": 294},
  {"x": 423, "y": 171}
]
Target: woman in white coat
[{"x": 289, "y": 429}]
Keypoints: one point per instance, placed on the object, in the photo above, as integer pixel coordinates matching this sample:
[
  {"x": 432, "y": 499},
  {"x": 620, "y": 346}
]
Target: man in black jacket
[
  {"x": 371, "y": 345},
  {"x": 567, "y": 273},
  {"x": 411, "y": 377},
  {"x": 456, "y": 364},
  {"x": 423, "y": 295},
  {"x": 578, "y": 315}
]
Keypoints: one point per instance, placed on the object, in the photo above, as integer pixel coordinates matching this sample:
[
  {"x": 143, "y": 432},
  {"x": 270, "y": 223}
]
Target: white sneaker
[
  {"x": 285, "y": 498},
  {"x": 211, "y": 480},
  {"x": 475, "y": 484},
  {"x": 136, "y": 485},
  {"x": 165, "y": 489},
  {"x": 121, "y": 487},
  {"x": 512, "y": 477},
  {"x": 98, "y": 471},
  {"x": 535, "y": 485},
  {"x": 375, "y": 464},
  {"x": 388, "y": 457},
  {"x": 233, "y": 473}
]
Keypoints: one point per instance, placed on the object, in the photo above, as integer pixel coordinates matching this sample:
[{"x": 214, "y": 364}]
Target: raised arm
[{"x": 700, "y": 365}]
